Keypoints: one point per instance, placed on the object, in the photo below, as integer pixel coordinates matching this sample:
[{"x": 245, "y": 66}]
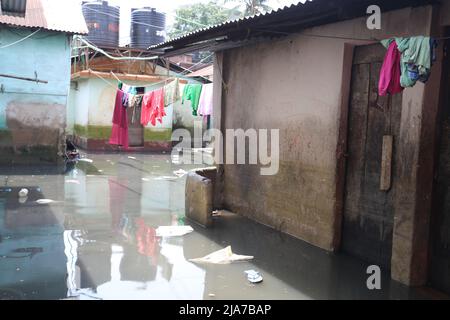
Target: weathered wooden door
[
  {"x": 440, "y": 235},
  {"x": 374, "y": 124}
]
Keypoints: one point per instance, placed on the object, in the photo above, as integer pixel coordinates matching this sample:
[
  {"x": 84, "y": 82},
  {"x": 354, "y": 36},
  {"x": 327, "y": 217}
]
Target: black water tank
[
  {"x": 147, "y": 27},
  {"x": 103, "y": 23}
]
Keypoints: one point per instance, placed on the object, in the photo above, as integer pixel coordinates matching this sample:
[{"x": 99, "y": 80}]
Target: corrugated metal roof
[
  {"x": 54, "y": 15},
  {"x": 15, "y": 6},
  {"x": 224, "y": 24},
  {"x": 279, "y": 22}
]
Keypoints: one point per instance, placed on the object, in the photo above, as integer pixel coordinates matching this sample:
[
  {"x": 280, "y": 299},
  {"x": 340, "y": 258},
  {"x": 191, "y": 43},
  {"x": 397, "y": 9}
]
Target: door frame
[{"x": 342, "y": 143}]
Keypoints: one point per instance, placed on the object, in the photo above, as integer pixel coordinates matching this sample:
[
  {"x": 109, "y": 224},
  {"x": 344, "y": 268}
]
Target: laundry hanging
[
  {"x": 153, "y": 107},
  {"x": 192, "y": 92},
  {"x": 119, "y": 133},
  {"x": 205, "y": 105},
  {"x": 417, "y": 55},
  {"x": 171, "y": 92},
  {"x": 390, "y": 72}
]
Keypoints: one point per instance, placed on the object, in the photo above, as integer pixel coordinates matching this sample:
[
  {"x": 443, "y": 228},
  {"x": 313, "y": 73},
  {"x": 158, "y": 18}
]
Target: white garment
[{"x": 205, "y": 105}]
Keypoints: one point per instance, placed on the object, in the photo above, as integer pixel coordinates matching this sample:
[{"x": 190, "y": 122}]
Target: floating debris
[
  {"x": 180, "y": 173},
  {"x": 129, "y": 157},
  {"x": 254, "y": 276},
  {"x": 223, "y": 256},
  {"x": 145, "y": 179},
  {"x": 45, "y": 201},
  {"x": 173, "y": 231},
  {"x": 23, "y": 193}
]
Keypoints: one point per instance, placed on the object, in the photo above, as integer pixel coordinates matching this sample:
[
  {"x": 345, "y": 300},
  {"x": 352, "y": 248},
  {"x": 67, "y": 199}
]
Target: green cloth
[
  {"x": 171, "y": 93},
  {"x": 192, "y": 92},
  {"x": 416, "y": 51}
]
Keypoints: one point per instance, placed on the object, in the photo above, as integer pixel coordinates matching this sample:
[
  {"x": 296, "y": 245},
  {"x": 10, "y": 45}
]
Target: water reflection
[{"x": 98, "y": 241}]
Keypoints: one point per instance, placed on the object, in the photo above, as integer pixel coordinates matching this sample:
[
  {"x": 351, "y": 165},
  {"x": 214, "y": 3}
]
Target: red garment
[
  {"x": 119, "y": 133},
  {"x": 390, "y": 72},
  {"x": 146, "y": 239},
  {"x": 153, "y": 107}
]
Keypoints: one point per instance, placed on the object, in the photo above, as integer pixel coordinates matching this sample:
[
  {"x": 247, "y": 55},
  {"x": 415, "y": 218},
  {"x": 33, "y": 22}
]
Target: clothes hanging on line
[
  {"x": 129, "y": 89},
  {"x": 125, "y": 97},
  {"x": 153, "y": 107},
  {"x": 417, "y": 55},
  {"x": 119, "y": 133},
  {"x": 171, "y": 92},
  {"x": 205, "y": 105},
  {"x": 192, "y": 92},
  {"x": 390, "y": 72}
]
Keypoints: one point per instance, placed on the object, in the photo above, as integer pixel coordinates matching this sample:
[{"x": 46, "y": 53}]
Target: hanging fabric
[
  {"x": 125, "y": 97},
  {"x": 119, "y": 133},
  {"x": 417, "y": 57},
  {"x": 192, "y": 92},
  {"x": 153, "y": 107},
  {"x": 390, "y": 72},
  {"x": 205, "y": 105},
  {"x": 171, "y": 92}
]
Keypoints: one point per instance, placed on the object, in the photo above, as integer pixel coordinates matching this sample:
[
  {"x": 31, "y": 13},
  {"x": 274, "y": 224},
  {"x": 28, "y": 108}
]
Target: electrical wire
[
  {"x": 95, "y": 48},
  {"x": 180, "y": 75},
  {"x": 20, "y": 40},
  {"x": 171, "y": 78}
]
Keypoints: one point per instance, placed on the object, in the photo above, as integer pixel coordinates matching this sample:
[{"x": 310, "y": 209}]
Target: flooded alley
[{"x": 97, "y": 240}]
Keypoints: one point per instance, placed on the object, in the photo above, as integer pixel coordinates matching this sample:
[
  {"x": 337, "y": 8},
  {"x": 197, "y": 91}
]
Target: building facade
[{"x": 316, "y": 80}]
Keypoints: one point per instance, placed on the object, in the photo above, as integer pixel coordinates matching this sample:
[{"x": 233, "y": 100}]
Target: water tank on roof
[
  {"x": 103, "y": 23},
  {"x": 148, "y": 27}
]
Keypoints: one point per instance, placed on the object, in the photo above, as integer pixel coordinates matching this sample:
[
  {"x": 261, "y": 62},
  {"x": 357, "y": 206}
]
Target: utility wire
[
  {"x": 20, "y": 40},
  {"x": 93, "y": 47},
  {"x": 171, "y": 78},
  {"x": 180, "y": 75}
]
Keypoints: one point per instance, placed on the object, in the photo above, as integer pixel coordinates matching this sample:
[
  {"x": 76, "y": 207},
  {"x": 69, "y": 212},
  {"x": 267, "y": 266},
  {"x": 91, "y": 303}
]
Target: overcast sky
[{"x": 167, "y": 6}]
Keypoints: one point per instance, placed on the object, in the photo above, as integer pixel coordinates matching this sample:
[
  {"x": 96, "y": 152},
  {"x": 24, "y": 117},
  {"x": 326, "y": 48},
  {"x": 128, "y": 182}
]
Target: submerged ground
[{"x": 97, "y": 241}]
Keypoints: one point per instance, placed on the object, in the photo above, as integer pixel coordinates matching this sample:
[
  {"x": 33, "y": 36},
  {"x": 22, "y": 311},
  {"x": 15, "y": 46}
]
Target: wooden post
[{"x": 386, "y": 163}]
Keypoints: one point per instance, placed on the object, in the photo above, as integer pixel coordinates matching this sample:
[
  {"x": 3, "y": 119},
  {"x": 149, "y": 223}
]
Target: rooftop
[
  {"x": 276, "y": 23},
  {"x": 53, "y": 15}
]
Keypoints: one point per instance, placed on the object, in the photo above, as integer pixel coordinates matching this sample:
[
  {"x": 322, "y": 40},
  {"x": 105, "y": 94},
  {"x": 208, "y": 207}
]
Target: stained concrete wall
[
  {"x": 296, "y": 85},
  {"x": 33, "y": 115}
]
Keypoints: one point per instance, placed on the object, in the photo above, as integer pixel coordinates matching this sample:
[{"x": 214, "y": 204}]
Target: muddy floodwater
[{"x": 92, "y": 236}]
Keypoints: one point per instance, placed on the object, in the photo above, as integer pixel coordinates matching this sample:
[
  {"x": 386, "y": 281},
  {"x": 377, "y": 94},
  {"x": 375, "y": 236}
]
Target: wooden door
[{"x": 373, "y": 122}]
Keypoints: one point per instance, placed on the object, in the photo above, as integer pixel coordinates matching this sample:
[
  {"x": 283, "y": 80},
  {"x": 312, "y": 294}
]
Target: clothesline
[{"x": 169, "y": 78}]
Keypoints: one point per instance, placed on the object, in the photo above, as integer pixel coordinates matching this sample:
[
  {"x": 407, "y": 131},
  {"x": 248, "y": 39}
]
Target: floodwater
[{"x": 97, "y": 241}]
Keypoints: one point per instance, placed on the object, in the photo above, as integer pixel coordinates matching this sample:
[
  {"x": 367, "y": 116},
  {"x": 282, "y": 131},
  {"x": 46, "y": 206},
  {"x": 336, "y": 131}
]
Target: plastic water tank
[
  {"x": 103, "y": 23},
  {"x": 148, "y": 27}
]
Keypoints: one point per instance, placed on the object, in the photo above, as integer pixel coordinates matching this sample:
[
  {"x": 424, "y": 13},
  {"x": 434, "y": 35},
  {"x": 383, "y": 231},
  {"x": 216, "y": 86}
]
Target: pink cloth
[
  {"x": 153, "y": 107},
  {"x": 390, "y": 72},
  {"x": 119, "y": 133},
  {"x": 205, "y": 105}
]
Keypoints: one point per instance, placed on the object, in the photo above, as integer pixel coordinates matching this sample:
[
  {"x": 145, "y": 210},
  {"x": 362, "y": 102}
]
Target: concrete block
[{"x": 199, "y": 196}]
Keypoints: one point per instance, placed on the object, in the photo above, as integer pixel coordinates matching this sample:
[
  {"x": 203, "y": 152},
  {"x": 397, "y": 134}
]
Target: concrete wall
[
  {"x": 33, "y": 115},
  {"x": 296, "y": 85}
]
